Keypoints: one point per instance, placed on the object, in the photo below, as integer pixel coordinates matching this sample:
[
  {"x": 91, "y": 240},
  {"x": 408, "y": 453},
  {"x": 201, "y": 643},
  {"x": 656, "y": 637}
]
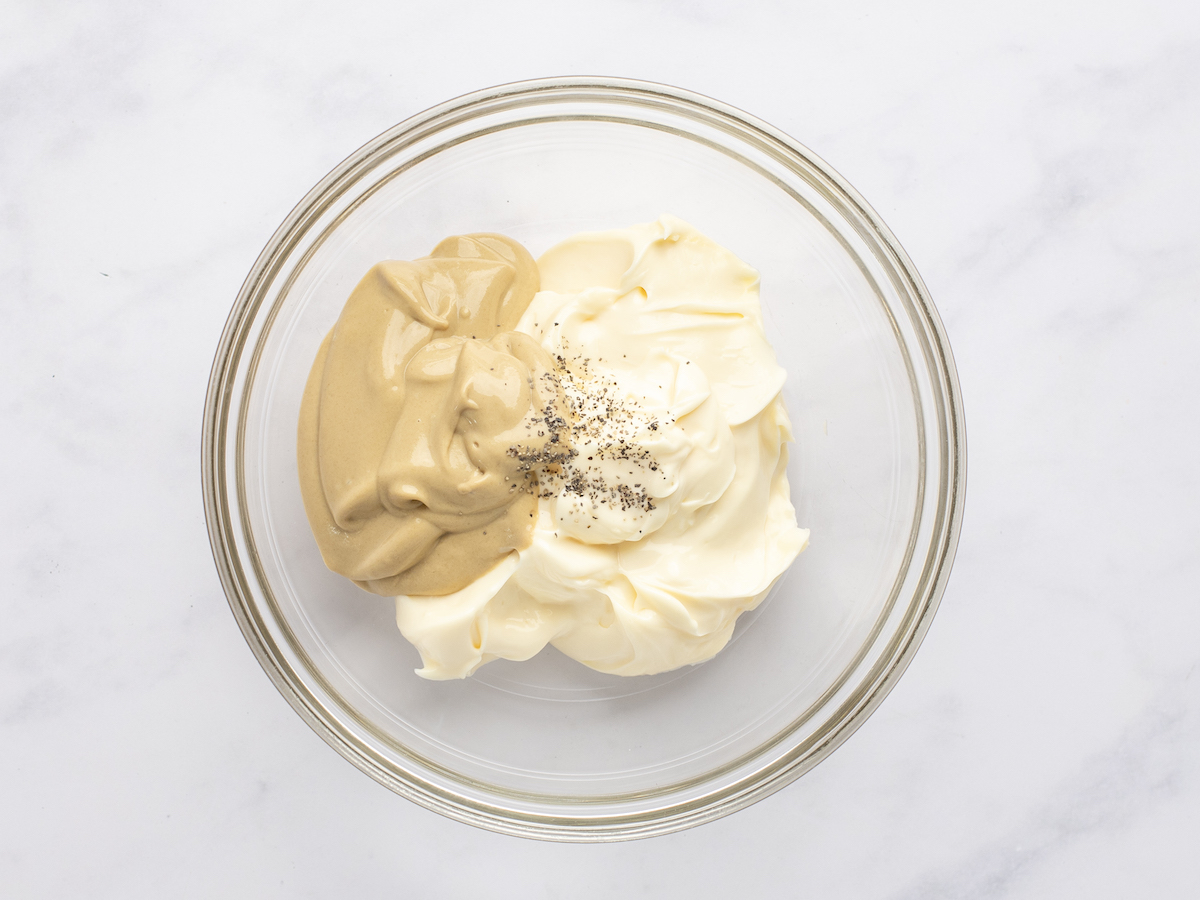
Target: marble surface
[{"x": 1038, "y": 163}]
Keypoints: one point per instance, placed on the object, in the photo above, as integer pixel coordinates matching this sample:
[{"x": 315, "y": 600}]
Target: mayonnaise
[{"x": 671, "y": 514}]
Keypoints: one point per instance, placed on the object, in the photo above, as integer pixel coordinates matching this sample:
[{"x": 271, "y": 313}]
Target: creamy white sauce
[{"x": 676, "y": 397}]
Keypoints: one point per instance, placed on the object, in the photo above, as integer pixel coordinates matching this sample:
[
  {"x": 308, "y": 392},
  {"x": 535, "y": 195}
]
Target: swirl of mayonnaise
[{"x": 673, "y": 516}]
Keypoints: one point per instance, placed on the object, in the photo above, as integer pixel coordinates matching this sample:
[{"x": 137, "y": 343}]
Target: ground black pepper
[{"x": 599, "y": 415}]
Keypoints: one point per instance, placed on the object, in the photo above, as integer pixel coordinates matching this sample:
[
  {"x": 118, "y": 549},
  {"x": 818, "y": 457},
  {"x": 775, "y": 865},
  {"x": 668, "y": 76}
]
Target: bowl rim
[{"x": 747, "y": 789}]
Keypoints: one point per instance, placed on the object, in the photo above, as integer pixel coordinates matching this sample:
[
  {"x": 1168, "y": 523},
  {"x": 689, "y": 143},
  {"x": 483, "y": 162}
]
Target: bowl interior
[{"x": 870, "y": 469}]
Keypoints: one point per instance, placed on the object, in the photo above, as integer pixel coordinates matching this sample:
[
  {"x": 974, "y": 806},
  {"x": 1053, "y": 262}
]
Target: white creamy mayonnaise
[{"x": 674, "y": 516}]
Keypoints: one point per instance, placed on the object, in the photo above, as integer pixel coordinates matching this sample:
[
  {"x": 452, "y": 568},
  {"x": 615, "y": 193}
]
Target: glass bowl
[{"x": 548, "y": 748}]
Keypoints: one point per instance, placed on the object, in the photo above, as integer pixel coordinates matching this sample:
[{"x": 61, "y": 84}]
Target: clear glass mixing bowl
[{"x": 548, "y": 748}]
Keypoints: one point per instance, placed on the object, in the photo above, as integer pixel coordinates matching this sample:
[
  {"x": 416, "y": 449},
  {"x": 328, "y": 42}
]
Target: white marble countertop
[{"x": 1040, "y": 166}]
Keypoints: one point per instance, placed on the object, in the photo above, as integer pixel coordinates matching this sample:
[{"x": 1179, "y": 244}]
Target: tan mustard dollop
[{"x": 412, "y": 410}]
